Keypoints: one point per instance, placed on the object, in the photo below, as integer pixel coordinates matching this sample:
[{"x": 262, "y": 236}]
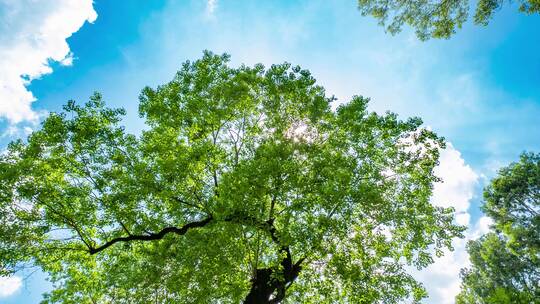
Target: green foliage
[
  {"x": 513, "y": 201},
  {"x": 435, "y": 19},
  {"x": 506, "y": 263},
  {"x": 246, "y": 186}
]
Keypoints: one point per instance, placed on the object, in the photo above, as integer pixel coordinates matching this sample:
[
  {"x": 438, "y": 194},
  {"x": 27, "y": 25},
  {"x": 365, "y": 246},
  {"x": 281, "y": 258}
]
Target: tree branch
[{"x": 152, "y": 236}]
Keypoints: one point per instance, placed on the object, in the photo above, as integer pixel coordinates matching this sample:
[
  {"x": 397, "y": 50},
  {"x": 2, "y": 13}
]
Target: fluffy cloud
[
  {"x": 441, "y": 279},
  {"x": 457, "y": 186},
  {"x": 9, "y": 285},
  {"x": 211, "y": 7},
  {"x": 34, "y": 33},
  {"x": 457, "y": 189}
]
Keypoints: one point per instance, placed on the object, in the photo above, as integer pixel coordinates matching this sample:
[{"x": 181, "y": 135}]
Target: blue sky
[{"x": 480, "y": 89}]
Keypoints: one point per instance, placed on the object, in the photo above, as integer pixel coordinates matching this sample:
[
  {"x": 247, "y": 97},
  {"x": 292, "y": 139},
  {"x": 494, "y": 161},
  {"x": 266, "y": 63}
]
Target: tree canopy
[
  {"x": 506, "y": 262},
  {"x": 245, "y": 186},
  {"x": 438, "y": 18}
]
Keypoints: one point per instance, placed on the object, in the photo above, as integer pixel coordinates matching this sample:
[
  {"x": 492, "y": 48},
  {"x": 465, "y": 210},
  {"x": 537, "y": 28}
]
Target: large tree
[
  {"x": 244, "y": 186},
  {"x": 506, "y": 262},
  {"x": 435, "y": 18}
]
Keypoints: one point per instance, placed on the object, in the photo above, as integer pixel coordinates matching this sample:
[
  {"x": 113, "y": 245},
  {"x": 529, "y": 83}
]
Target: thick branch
[
  {"x": 267, "y": 288},
  {"x": 152, "y": 236}
]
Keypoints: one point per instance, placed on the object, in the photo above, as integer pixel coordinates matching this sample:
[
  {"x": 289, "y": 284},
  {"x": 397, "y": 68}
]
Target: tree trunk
[{"x": 266, "y": 289}]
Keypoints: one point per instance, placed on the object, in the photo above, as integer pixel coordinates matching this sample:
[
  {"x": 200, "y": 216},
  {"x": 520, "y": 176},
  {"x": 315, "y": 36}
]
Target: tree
[
  {"x": 506, "y": 263},
  {"x": 245, "y": 186},
  {"x": 437, "y": 19}
]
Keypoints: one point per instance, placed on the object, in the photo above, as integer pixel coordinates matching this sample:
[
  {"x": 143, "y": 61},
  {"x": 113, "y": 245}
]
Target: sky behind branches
[{"x": 480, "y": 89}]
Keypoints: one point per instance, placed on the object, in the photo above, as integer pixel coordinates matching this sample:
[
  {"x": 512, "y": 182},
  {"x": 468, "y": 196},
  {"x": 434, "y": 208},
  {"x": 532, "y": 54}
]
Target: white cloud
[
  {"x": 34, "y": 33},
  {"x": 9, "y": 285},
  {"x": 481, "y": 227},
  {"x": 13, "y": 131},
  {"x": 211, "y": 6},
  {"x": 441, "y": 279},
  {"x": 457, "y": 188}
]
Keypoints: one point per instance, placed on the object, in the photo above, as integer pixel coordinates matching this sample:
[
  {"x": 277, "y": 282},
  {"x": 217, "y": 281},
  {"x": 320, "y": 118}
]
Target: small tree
[
  {"x": 245, "y": 186},
  {"x": 506, "y": 263},
  {"x": 437, "y": 19}
]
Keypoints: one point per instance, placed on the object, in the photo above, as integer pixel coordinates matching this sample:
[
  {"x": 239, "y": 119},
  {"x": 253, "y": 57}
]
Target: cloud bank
[
  {"x": 441, "y": 279},
  {"x": 9, "y": 286},
  {"x": 33, "y": 36},
  {"x": 211, "y": 6}
]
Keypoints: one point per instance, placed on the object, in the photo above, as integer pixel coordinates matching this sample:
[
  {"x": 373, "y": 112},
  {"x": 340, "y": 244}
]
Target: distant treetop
[{"x": 435, "y": 19}]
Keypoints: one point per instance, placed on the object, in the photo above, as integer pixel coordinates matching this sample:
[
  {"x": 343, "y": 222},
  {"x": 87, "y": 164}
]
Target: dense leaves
[
  {"x": 245, "y": 186},
  {"x": 437, "y": 19},
  {"x": 506, "y": 263}
]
